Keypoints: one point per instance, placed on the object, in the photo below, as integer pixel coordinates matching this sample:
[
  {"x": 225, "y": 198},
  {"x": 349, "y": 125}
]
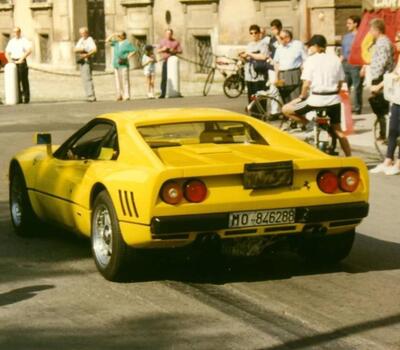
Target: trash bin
[{"x": 10, "y": 84}]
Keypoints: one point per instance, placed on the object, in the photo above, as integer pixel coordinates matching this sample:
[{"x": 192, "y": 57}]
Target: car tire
[
  {"x": 329, "y": 249},
  {"x": 110, "y": 252},
  {"x": 23, "y": 218}
]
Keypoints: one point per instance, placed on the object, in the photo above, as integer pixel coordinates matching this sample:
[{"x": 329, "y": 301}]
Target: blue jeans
[
  {"x": 355, "y": 84},
  {"x": 394, "y": 131}
]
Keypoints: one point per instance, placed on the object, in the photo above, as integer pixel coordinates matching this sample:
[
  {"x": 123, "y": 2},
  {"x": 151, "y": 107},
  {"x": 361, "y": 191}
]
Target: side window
[{"x": 88, "y": 145}]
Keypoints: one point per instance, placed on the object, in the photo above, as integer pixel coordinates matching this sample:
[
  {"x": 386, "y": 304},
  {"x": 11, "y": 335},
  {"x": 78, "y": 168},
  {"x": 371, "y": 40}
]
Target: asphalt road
[{"x": 51, "y": 296}]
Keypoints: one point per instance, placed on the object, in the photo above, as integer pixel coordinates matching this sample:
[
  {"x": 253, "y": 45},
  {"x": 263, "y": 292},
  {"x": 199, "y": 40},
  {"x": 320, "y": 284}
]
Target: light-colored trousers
[
  {"x": 273, "y": 90},
  {"x": 122, "y": 82},
  {"x": 87, "y": 80}
]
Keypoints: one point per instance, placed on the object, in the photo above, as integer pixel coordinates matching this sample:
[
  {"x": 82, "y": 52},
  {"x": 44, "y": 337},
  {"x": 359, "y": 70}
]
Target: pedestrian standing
[
  {"x": 85, "y": 49},
  {"x": 168, "y": 47},
  {"x": 17, "y": 50},
  {"x": 276, "y": 27},
  {"x": 122, "y": 51},
  {"x": 288, "y": 58},
  {"x": 389, "y": 165},
  {"x": 273, "y": 42},
  {"x": 149, "y": 69},
  {"x": 382, "y": 61},
  {"x": 352, "y": 72},
  {"x": 256, "y": 51}
]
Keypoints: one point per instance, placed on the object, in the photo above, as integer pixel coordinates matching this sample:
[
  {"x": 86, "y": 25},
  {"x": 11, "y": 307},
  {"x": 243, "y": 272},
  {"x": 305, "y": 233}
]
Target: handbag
[
  {"x": 123, "y": 61},
  {"x": 391, "y": 88},
  {"x": 378, "y": 104}
]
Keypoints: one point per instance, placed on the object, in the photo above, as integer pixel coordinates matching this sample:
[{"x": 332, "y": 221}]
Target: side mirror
[{"x": 44, "y": 139}]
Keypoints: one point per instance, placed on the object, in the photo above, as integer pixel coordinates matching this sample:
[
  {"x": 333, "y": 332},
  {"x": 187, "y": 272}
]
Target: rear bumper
[{"x": 219, "y": 221}]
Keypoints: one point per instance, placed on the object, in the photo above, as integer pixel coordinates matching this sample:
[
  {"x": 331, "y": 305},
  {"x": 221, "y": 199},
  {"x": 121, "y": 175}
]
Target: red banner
[{"x": 360, "y": 51}]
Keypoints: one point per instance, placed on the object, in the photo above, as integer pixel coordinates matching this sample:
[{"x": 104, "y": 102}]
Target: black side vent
[{"x": 128, "y": 205}]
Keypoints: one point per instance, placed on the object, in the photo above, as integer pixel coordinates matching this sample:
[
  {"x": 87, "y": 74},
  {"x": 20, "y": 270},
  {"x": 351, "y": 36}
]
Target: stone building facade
[{"x": 202, "y": 26}]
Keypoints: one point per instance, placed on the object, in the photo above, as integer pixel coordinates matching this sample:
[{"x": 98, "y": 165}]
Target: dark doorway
[{"x": 96, "y": 25}]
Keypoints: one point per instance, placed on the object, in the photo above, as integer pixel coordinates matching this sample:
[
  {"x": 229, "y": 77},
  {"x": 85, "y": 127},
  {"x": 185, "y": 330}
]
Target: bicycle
[
  {"x": 260, "y": 107},
  {"x": 219, "y": 63},
  {"x": 323, "y": 135},
  {"x": 234, "y": 84},
  {"x": 261, "y": 102}
]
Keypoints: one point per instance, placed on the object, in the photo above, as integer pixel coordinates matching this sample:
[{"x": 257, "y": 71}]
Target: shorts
[
  {"x": 332, "y": 111},
  {"x": 149, "y": 73}
]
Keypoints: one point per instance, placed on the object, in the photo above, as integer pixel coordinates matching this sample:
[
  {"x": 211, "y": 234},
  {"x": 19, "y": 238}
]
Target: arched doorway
[{"x": 96, "y": 25}]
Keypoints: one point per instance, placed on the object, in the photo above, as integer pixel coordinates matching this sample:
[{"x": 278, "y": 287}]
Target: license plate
[{"x": 262, "y": 217}]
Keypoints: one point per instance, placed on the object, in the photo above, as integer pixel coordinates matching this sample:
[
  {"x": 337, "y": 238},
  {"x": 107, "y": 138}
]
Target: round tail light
[
  {"x": 171, "y": 192},
  {"x": 328, "y": 181},
  {"x": 349, "y": 180},
  {"x": 195, "y": 191}
]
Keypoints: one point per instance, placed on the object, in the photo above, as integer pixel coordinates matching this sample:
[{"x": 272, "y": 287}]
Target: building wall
[{"x": 225, "y": 22}]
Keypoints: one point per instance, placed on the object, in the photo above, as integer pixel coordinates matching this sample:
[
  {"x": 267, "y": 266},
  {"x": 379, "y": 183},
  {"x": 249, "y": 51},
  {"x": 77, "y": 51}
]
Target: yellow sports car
[{"x": 170, "y": 177}]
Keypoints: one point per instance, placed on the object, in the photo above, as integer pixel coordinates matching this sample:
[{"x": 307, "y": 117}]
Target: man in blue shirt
[
  {"x": 288, "y": 60},
  {"x": 354, "y": 80}
]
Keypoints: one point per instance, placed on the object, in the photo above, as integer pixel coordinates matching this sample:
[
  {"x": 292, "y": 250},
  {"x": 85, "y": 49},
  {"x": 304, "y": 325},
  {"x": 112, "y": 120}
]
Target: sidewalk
[{"x": 50, "y": 88}]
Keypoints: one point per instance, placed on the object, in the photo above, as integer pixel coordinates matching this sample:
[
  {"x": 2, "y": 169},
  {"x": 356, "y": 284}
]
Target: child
[{"x": 149, "y": 69}]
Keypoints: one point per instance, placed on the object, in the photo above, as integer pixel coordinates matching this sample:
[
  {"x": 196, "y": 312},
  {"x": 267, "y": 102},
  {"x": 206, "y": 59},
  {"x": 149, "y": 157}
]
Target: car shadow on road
[
  {"x": 368, "y": 254},
  {"x": 51, "y": 245},
  {"x": 43, "y": 255}
]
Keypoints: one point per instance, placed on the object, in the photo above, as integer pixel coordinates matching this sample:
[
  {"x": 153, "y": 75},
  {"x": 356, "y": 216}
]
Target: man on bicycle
[{"x": 322, "y": 78}]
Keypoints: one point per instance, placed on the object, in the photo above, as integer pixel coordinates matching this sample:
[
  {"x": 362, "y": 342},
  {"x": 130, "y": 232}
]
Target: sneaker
[
  {"x": 380, "y": 168},
  {"x": 393, "y": 170}
]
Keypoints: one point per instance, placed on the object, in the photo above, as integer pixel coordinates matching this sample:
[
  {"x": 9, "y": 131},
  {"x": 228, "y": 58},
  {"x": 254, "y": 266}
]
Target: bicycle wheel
[
  {"x": 208, "y": 82},
  {"x": 261, "y": 108},
  {"x": 326, "y": 140},
  {"x": 332, "y": 143},
  {"x": 233, "y": 86}
]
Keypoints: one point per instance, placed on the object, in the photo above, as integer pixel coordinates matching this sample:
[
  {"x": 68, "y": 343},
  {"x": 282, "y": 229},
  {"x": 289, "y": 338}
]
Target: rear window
[{"x": 219, "y": 132}]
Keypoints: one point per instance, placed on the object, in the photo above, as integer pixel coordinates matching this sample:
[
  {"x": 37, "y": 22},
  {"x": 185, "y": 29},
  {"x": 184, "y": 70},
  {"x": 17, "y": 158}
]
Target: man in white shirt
[
  {"x": 288, "y": 59},
  {"x": 17, "y": 50},
  {"x": 322, "y": 77},
  {"x": 85, "y": 49}
]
